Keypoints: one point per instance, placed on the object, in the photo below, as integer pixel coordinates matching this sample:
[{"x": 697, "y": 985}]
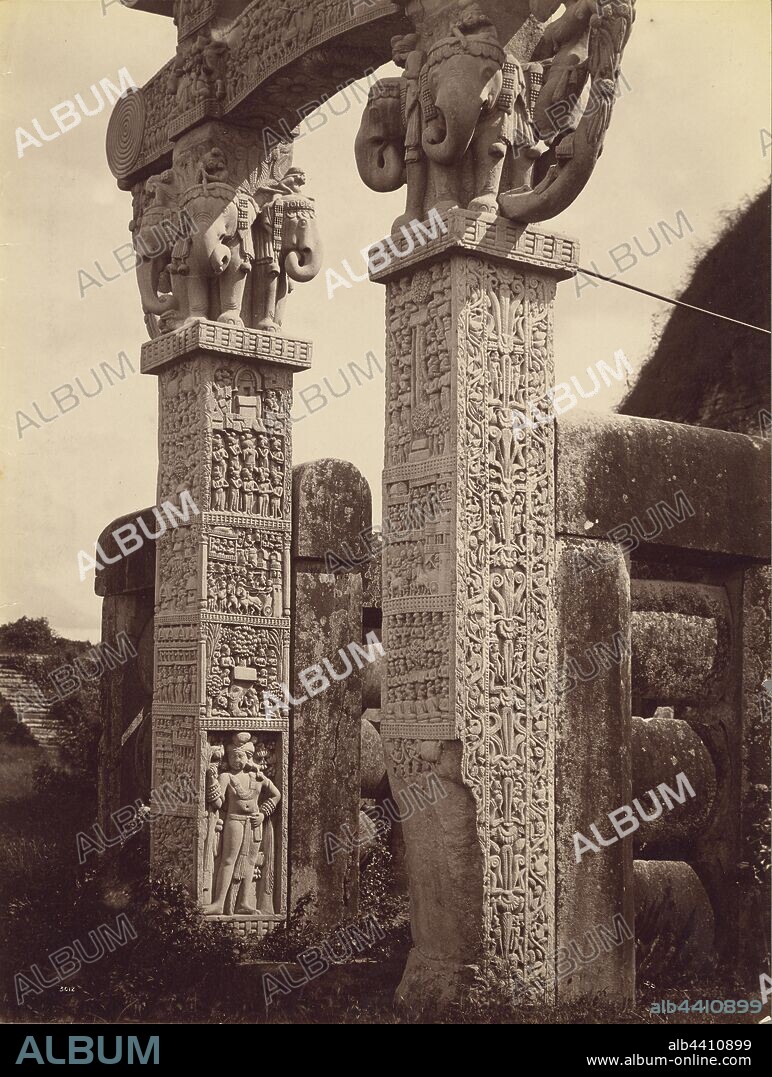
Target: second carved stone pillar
[{"x": 467, "y": 699}]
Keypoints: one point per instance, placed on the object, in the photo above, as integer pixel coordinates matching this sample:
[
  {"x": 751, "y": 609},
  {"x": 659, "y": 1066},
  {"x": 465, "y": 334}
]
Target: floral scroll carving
[{"x": 467, "y": 615}]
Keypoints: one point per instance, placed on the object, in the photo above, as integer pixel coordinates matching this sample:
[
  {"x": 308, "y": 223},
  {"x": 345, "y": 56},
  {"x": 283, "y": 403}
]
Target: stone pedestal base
[{"x": 432, "y": 987}]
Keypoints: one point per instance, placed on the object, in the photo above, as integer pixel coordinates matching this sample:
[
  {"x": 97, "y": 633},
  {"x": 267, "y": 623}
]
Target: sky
[{"x": 689, "y": 143}]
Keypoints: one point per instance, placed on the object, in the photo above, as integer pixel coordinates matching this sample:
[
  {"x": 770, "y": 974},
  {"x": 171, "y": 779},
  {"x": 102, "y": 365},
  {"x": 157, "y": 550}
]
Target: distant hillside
[{"x": 704, "y": 371}]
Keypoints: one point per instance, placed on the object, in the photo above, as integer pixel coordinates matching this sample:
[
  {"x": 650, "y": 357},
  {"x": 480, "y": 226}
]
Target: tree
[{"x": 29, "y": 635}]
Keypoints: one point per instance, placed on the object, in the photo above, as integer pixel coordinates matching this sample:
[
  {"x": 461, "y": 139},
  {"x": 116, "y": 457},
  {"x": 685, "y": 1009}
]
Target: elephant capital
[
  {"x": 287, "y": 247},
  {"x": 217, "y": 256},
  {"x": 493, "y": 123},
  {"x": 159, "y": 225}
]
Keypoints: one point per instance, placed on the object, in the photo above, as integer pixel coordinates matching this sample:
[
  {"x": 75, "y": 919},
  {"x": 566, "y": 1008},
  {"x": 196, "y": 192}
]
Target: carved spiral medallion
[{"x": 125, "y": 132}]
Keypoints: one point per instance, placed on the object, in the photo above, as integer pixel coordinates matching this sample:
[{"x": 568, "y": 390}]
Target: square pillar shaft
[
  {"x": 222, "y": 617},
  {"x": 331, "y": 510},
  {"x": 467, "y": 595}
]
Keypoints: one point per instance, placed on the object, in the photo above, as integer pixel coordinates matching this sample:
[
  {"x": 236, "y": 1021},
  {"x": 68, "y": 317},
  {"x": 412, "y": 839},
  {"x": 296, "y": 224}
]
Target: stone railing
[{"x": 661, "y": 592}]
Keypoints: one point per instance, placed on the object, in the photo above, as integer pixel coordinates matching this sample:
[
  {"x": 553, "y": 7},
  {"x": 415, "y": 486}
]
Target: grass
[{"x": 183, "y": 969}]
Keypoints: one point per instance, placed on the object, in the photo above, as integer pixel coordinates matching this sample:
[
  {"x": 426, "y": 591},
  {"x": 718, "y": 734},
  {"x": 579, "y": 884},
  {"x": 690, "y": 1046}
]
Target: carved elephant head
[
  {"x": 220, "y": 248},
  {"x": 301, "y": 248},
  {"x": 156, "y": 227},
  {"x": 380, "y": 147},
  {"x": 462, "y": 77},
  {"x": 214, "y": 210}
]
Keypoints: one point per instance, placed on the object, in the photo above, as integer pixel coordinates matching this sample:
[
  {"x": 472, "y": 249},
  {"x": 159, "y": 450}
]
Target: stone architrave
[
  {"x": 222, "y": 621},
  {"x": 467, "y": 606},
  {"x": 264, "y": 67}
]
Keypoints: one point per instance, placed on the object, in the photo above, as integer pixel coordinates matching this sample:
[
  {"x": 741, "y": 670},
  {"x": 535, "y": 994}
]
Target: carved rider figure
[{"x": 269, "y": 229}]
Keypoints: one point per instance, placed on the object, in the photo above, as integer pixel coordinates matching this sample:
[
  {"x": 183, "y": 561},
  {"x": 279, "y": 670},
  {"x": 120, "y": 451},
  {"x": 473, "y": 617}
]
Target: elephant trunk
[
  {"x": 217, "y": 253},
  {"x": 148, "y": 275},
  {"x": 303, "y": 264},
  {"x": 447, "y": 137},
  {"x": 380, "y": 163}
]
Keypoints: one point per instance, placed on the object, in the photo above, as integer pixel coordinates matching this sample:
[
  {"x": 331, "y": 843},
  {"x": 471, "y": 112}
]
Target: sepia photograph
[{"x": 385, "y": 569}]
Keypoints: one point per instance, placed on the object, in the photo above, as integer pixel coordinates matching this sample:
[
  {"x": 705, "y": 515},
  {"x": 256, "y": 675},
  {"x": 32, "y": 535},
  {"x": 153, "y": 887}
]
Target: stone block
[
  {"x": 332, "y": 510},
  {"x": 611, "y": 468},
  {"x": 681, "y": 641},
  {"x": 663, "y": 748},
  {"x": 126, "y": 691},
  {"x": 673, "y": 920},
  {"x": 373, "y": 766},
  {"x": 134, "y": 571},
  {"x": 332, "y": 507},
  {"x": 445, "y": 871}
]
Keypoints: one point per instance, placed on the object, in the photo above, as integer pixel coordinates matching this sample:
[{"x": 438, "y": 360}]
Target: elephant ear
[{"x": 575, "y": 153}]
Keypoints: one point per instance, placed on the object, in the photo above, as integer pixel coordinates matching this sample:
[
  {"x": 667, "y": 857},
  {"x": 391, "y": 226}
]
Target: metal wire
[{"x": 675, "y": 302}]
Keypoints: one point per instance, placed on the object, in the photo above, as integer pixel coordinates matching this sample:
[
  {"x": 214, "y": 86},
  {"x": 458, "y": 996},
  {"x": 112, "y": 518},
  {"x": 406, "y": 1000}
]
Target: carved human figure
[
  {"x": 410, "y": 57},
  {"x": 226, "y": 660},
  {"x": 213, "y": 819},
  {"x": 251, "y": 701},
  {"x": 277, "y": 453},
  {"x": 219, "y": 486},
  {"x": 248, "y": 488},
  {"x": 248, "y": 450},
  {"x": 222, "y": 390},
  {"x": 276, "y": 492},
  {"x": 566, "y": 40},
  {"x": 246, "y": 798},
  {"x": 298, "y": 26},
  {"x": 264, "y": 871},
  {"x": 587, "y": 41},
  {"x": 262, "y": 476}
]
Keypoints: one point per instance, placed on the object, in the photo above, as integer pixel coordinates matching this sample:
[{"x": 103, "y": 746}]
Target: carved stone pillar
[
  {"x": 331, "y": 510},
  {"x": 127, "y": 590},
  {"x": 467, "y": 605},
  {"x": 593, "y": 768},
  {"x": 222, "y": 623},
  {"x": 756, "y": 688}
]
